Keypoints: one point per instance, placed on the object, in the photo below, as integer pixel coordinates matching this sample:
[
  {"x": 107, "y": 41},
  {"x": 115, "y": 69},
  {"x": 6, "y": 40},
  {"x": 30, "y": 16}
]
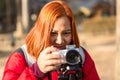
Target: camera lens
[{"x": 73, "y": 57}]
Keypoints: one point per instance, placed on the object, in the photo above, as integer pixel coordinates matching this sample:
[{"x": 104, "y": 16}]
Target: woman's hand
[{"x": 48, "y": 61}]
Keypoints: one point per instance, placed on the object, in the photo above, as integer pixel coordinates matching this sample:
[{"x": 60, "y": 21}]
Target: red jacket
[{"x": 17, "y": 69}]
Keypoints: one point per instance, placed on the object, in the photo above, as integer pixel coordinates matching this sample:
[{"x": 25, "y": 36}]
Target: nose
[{"x": 60, "y": 39}]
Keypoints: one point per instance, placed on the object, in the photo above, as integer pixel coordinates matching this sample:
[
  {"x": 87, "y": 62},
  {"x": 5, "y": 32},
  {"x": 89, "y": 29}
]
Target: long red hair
[{"x": 39, "y": 36}]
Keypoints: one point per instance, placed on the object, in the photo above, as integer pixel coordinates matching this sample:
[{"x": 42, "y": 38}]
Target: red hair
[{"x": 39, "y": 36}]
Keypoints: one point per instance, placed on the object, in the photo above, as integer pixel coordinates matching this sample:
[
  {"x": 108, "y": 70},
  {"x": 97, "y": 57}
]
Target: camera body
[
  {"x": 70, "y": 55},
  {"x": 74, "y": 59}
]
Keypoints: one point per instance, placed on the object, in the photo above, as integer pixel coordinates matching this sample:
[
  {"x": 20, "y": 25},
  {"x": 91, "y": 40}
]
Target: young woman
[{"x": 53, "y": 31}]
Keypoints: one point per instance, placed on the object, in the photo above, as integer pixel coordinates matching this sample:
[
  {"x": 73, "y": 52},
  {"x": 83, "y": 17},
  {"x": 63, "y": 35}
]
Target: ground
[{"x": 101, "y": 48}]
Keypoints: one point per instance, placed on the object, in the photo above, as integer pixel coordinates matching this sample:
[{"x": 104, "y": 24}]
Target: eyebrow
[{"x": 68, "y": 29}]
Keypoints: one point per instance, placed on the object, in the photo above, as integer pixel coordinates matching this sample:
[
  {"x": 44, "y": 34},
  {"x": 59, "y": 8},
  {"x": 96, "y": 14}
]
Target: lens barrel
[{"x": 73, "y": 57}]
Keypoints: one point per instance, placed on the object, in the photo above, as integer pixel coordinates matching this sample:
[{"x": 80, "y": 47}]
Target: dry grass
[
  {"x": 99, "y": 25},
  {"x": 98, "y": 37},
  {"x": 102, "y": 49}
]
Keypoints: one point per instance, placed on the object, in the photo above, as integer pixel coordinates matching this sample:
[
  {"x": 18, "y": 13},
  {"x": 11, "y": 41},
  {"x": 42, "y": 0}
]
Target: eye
[
  {"x": 67, "y": 33},
  {"x": 53, "y": 33}
]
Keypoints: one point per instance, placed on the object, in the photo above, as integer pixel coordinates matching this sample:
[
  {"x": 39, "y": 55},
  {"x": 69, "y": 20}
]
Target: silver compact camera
[{"x": 70, "y": 55}]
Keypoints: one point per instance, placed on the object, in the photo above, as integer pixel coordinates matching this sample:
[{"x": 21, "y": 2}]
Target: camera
[
  {"x": 70, "y": 55},
  {"x": 74, "y": 59}
]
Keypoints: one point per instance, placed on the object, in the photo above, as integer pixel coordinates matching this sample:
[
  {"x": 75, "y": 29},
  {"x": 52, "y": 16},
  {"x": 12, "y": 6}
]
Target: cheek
[
  {"x": 68, "y": 40},
  {"x": 52, "y": 39}
]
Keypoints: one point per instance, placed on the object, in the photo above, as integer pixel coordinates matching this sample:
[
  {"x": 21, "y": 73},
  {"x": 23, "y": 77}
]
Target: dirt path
[{"x": 102, "y": 50}]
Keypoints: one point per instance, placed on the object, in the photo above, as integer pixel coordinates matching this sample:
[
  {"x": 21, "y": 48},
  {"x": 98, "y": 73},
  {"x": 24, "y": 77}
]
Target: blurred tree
[
  {"x": 34, "y": 7},
  {"x": 113, "y": 7},
  {"x": 25, "y": 15},
  {"x": 7, "y": 16},
  {"x": 117, "y": 65}
]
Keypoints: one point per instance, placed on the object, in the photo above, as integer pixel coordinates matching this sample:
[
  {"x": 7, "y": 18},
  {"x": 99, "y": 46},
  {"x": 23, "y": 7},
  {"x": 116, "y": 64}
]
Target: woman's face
[{"x": 61, "y": 33}]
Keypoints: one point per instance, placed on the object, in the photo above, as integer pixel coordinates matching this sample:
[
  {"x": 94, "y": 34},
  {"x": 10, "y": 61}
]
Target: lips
[{"x": 60, "y": 47}]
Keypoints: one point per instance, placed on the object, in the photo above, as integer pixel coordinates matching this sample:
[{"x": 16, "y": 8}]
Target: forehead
[{"x": 62, "y": 22}]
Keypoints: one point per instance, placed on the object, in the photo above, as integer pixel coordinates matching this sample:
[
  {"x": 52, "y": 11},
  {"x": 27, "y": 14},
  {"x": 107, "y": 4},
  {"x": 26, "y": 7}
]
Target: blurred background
[{"x": 95, "y": 21}]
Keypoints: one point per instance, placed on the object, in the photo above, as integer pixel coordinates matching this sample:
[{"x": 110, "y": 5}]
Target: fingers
[
  {"x": 50, "y": 68},
  {"x": 48, "y": 61},
  {"x": 49, "y": 65},
  {"x": 53, "y": 62},
  {"x": 52, "y": 65},
  {"x": 50, "y": 50},
  {"x": 52, "y": 56}
]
